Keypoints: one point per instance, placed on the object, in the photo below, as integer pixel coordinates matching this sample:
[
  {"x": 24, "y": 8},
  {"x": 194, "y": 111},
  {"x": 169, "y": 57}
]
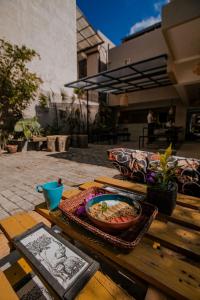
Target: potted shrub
[
  {"x": 25, "y": 130},
  {"x": 161, "y": 183}
]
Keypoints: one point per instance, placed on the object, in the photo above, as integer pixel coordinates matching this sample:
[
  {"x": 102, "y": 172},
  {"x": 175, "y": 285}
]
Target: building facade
[
  {"x": 71, "y": 49},
  {"x": 49, "y": 27},
  {"x": 178, "y": 37}
]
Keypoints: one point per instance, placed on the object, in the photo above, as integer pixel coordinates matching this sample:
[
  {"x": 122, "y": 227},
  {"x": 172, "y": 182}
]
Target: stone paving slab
[{"x": 21, "y": 172}]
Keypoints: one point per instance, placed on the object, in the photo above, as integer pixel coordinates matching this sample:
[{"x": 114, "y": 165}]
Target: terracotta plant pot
[
  {"x": 11, "y": 148},
  {"x": 165, "y": 200}
]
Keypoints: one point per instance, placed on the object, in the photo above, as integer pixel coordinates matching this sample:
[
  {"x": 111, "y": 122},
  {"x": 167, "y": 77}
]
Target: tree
[{"x": 18, "y": 86}]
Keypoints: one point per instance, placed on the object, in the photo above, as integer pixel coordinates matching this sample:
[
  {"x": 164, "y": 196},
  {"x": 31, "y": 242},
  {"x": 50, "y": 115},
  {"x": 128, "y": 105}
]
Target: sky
[{"x": 120, "y": 18}]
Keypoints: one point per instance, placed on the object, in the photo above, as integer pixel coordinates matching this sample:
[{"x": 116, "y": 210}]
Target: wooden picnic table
[
  {"x": 100, "y": 286},
  {"x": 168, "y": 257}
]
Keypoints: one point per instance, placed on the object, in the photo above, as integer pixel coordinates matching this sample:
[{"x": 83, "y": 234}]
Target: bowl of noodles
[{"x": 113, "y": 212}]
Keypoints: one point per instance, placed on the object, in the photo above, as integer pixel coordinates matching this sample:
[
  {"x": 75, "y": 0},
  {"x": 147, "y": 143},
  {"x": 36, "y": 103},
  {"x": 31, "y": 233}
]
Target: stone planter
[
  {"x": 83, "y": 141},
  {"x": 74, "y": 140},
  {"x": 79, "y": 140},
  {"x": 51, "y": 143},
  {"x": 62, "y": 143},
  {"x": 165, "y": 200},
  {"x": 12, "y": 148}
]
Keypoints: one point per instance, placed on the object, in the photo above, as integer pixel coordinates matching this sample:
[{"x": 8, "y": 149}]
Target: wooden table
[
  {"x": 167, "y": 258},
  {"x": 100, "y": 286}
]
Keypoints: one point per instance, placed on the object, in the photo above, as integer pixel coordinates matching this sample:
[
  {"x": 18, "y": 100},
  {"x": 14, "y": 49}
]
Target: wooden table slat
[
  {"x": 4, "y": 246},
  {"x": 173, "y": 276},
  {"x": 7, "y": 292},
  {"x": 176, "y": 237},
  {"x": 16, "y": 224},
  {"x": 183, "y": 200}
]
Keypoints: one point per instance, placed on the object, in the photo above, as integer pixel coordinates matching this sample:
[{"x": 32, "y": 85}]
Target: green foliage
[
  {"x": 18, "y": 86},
  {"x": 164, "y": 174},
  {"x": 79, "y": 92},
  {"x": 104, "y": 119},
  {"x": 43, "y": 100},
  {"x": 75, "y": 118},
  {"x": 27, "y": 128},
  {"x": 104, "y": 207}
]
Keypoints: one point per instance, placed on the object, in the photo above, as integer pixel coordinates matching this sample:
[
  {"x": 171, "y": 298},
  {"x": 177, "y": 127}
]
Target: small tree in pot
[{"x": 161, "y": 183}]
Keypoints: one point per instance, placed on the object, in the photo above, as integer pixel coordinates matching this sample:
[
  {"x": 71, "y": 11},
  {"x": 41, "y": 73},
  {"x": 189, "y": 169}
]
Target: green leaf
[{"x": 104, "y": 206}]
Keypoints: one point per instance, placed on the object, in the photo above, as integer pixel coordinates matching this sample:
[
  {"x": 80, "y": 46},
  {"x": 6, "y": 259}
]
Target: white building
[{"x": 49, "y": 27}]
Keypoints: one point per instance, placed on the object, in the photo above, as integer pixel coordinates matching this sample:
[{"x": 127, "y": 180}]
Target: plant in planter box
[
  {"x": 26, "y": 129},
  {"x": 161, "y": 183}
]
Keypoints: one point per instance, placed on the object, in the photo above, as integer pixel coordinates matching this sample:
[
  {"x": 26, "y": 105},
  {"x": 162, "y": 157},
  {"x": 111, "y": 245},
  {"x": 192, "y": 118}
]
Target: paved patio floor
[{"x": 21, "y": 172}]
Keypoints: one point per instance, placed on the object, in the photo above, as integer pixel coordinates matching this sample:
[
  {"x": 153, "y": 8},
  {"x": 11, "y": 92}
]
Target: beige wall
[
  {"x": 179, "y": 11},
  {"x": 92, "y": 64},
  {"x": 181, "y": 31},
  {"x": 145, "y": 46},
  {"x": 49, "y": 27},
  {"x": 150, "y": 95}
]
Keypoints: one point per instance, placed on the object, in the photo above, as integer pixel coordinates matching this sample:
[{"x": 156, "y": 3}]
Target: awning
[
  {"x": 87, "y": 37},
  {"x": 142, "y": 75}
]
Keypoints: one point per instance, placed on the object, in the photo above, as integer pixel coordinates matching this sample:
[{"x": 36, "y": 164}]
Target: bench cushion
[{"x": 134, "y": 164}]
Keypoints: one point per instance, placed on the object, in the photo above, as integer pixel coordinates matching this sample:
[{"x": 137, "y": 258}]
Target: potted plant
[
  {"x": 11, "y": 148},
  {"x": 161, "y": 183},
  {"x": 25, "y": 130}
]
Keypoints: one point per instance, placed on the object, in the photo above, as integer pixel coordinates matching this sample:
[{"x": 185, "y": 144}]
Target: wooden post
[{"x": 87, "y": 114}]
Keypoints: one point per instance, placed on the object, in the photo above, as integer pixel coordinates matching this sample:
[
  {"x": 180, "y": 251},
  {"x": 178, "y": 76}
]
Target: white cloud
[
  {"x": 145, "y": 23},
  {"x": 158, "y": 5},
  {"x": 151, "y": 20}
]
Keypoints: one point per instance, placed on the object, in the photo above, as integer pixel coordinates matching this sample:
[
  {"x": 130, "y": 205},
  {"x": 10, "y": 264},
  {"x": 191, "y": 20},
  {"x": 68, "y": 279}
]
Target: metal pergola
[
  {"x": 87, "y": 37},
  {"x": 142, "y": 75}
]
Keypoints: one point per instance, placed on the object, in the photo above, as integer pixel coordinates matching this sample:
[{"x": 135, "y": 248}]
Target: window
[{"x": 82, "y": 68}]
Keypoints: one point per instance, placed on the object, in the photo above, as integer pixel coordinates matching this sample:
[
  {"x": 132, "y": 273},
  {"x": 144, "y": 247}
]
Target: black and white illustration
[
  {"x": 61, "y": 262},
  {"x": 34, "y": 289}
]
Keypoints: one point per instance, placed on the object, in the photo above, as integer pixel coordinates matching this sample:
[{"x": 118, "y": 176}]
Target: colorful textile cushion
[
  {"x": 134, "y": 164},
  {"x": 188, "y": 176},
  {"x": 130, "y": 163}
]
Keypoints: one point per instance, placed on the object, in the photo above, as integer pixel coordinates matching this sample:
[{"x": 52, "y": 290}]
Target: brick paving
[{"x": 21, "y": 172}]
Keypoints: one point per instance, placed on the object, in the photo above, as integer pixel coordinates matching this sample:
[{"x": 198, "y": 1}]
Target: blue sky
[{"x": 119, "y": 18}]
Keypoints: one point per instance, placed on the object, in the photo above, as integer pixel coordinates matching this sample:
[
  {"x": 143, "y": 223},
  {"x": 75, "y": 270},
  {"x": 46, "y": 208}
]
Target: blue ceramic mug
[{"x": 52, "y": 193}]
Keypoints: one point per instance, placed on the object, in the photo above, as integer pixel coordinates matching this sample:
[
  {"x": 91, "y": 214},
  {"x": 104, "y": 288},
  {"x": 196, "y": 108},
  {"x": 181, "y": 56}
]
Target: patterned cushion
[
  {"x": 134, "y": 164},
  {"x": 188, "y": 176}
]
